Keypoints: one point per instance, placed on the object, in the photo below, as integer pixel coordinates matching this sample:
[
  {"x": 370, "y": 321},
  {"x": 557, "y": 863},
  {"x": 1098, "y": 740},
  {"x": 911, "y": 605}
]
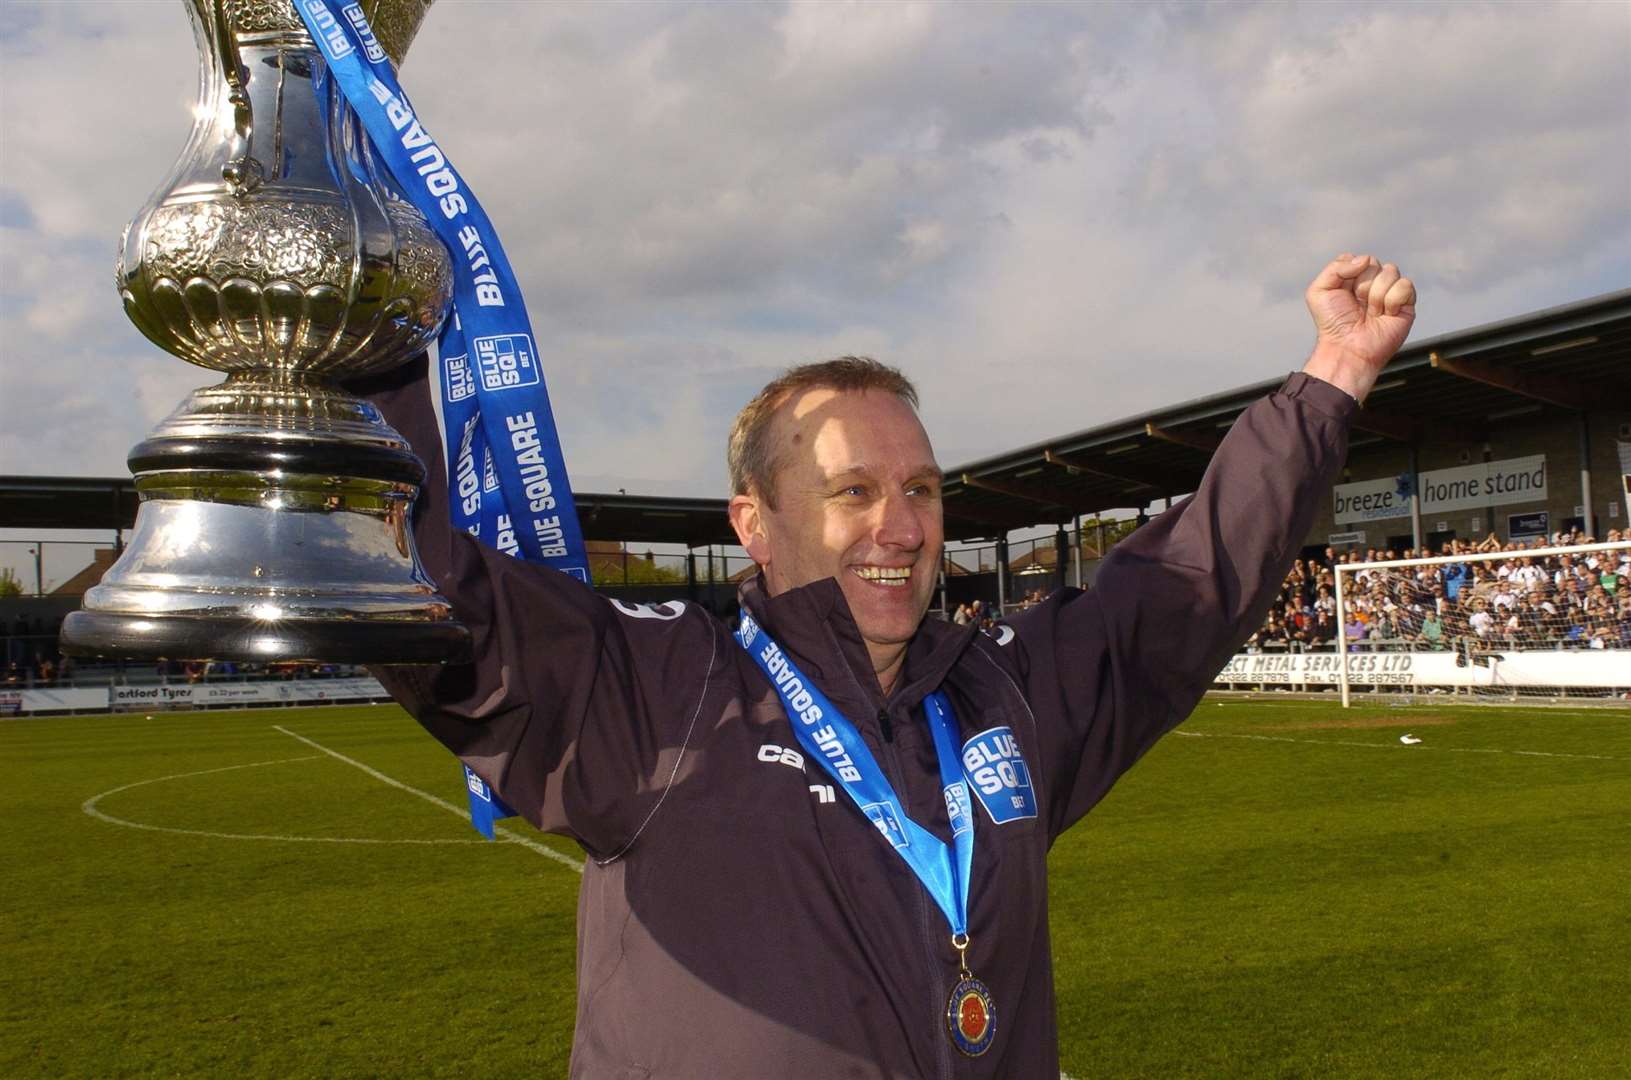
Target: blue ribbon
[
  {"x": 485, "y": 805},
  {"x": 493, "y": 396},
  {"x": 829, "y": 737},
  {"x": 507, "y": 481}
]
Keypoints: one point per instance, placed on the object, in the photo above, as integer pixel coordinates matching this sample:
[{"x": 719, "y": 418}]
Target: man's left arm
[{"x": 1110, "y": 671}]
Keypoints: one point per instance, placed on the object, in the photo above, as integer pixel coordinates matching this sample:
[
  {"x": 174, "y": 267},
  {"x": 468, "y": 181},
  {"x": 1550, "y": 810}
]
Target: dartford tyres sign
[
  {"x": 271, "y": 692},
  {"x": 190, "y": 695}
]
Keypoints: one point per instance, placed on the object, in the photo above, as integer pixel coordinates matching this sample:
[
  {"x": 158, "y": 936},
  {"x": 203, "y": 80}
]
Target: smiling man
[
  {"x": 817, "y": 845},
  {"x": 834, "y": 478}
]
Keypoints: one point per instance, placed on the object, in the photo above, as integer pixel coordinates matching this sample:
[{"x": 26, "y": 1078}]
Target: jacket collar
[{"x": 814, "y": 625}]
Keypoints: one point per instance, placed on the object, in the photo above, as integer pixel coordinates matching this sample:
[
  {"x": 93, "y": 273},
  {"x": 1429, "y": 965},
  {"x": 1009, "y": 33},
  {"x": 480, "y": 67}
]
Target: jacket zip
[{"x": 928, "y": 916}]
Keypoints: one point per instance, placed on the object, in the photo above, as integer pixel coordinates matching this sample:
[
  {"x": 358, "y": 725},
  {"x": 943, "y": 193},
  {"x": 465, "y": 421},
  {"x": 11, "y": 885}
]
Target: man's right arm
[{"x": 567, "y": 703}]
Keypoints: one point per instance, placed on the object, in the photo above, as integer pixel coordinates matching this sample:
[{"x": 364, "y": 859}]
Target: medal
[{"x": 971, "y": 1017}]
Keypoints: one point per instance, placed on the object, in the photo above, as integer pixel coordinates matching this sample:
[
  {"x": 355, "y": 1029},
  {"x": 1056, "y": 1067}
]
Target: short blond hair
[{"x": 752, "y": 458}]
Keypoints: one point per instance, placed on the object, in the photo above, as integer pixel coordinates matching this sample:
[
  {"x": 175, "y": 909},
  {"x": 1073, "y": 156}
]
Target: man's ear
[{"x": 748, "y": 520}]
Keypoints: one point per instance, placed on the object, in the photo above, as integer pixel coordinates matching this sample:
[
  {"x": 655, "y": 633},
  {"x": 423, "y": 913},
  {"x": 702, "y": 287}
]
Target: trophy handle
[{"x": 242, "y": 171}]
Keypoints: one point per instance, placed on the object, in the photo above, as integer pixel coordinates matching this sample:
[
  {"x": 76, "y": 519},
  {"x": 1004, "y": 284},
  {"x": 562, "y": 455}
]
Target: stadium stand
[{"x": 1548, "y": 386}]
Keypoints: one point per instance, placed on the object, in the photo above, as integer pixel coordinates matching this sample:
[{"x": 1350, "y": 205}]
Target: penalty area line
[{"x": 503, "y": 833}]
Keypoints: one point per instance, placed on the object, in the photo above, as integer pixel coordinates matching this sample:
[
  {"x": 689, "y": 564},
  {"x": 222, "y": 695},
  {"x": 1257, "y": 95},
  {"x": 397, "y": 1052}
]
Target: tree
[
  {"x": 633, "y": 569},
  {"x": 9, "y": 585},
  {"x": 1114, "y": 532}
]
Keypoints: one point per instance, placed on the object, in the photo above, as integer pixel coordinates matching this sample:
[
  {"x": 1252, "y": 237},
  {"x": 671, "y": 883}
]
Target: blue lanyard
[
  {"x": 829, "y": 737},
  {"x": 506, "y": 474}
]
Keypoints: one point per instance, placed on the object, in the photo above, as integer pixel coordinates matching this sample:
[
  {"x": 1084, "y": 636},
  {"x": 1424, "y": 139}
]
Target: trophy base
[
  {"x": 218, "y": 637},
  {"x": 271, "y": 537}
]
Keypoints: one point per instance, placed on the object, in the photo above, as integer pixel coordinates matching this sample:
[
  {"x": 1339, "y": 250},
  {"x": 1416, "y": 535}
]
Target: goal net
[{"x": 1524, "y": 622}]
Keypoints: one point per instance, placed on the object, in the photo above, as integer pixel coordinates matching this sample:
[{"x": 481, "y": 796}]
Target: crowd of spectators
[
  {"x": 197, "y": 671},
  {"x": 979, "y": 613},
  {"x": 31, "y": 654},
  {"x": 1520, "y": 601},
  {"x": 975, "y": 613}
]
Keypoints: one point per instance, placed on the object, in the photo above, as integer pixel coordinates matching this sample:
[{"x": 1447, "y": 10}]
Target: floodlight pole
[
  {"x": 1586, "y": 522},
  {"x": 1342, "y": 639},
  {"x": 1002, "y": 575},
  {"x": 1416, "y": 537}
]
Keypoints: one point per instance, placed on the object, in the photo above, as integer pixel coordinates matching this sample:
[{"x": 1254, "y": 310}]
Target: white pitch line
[
  {"x": 89, "y": 806},
  {"x": 1391, "y": 746},
  {"x": 542, "y": 849}
]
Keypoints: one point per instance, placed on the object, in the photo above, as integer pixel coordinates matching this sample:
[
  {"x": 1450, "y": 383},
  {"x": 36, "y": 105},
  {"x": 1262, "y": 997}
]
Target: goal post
[{"x": 1544, "y": 621}]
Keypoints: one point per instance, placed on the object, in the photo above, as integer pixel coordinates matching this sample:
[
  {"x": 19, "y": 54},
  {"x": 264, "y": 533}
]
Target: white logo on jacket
[
  {"x": 780, "y": 754},
  {"x": 673, "y": 609},
  {"x": 772, "y": 754}
]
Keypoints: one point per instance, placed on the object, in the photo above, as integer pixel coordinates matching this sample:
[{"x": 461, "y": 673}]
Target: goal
[{"x": 1523, "y": 622}]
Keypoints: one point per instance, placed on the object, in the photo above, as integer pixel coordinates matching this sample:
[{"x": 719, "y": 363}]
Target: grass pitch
[{"x": 1281, "y": 889}]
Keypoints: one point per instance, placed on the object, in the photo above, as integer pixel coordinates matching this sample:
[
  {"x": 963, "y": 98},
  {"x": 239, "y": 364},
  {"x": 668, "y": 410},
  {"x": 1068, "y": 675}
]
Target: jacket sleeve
[
  {"x": 572, "y": 707},
  {"x": 1108, "y": 672}
]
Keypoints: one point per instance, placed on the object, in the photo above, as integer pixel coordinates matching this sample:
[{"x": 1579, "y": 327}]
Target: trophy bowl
[{"x": 274, "y": 516}]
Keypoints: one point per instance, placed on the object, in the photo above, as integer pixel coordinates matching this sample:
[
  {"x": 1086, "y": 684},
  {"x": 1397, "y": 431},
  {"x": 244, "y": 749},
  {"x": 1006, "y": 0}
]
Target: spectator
[
  {"x": 1564, "y": 571},
  {"x": 1481, "y": 621},
  {"x": 1455, "y": 575},
  {"x": 1355, "y": 632},
  {"x": 1528, "y": 575}
]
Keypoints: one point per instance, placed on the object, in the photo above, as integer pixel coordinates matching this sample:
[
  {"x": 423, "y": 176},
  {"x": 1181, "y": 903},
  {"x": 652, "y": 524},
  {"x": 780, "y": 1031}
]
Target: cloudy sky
[{"x": 1120, "y": 203}]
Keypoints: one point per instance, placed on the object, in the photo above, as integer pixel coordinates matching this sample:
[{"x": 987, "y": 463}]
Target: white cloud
[
  {"x": 1052, "y": 216},
  {"x": 1466, "y": 140}
]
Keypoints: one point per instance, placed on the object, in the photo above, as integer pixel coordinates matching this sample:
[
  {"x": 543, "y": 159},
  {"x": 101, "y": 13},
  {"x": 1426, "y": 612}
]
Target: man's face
[{"x": 857, "y": 499}]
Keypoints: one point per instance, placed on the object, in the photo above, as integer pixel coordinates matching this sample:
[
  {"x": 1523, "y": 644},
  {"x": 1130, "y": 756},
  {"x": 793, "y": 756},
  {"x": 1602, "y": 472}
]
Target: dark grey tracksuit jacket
[{"x": 736, "y": 919}]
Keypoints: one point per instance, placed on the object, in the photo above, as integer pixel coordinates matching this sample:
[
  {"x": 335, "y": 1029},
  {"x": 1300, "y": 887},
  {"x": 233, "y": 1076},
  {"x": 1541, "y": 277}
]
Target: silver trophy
[{"x": 274, "y": 516}]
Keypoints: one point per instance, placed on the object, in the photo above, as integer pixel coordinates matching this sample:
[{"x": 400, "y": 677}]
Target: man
[
  {"x": 739, "y": 915},
  {"x": 1481, "y": 621},
  {"x": 1432, "y": 630},
  {"x": 1325, "y": 630},
  {"x": 1528, "y": 575}
]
